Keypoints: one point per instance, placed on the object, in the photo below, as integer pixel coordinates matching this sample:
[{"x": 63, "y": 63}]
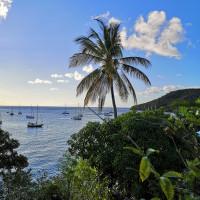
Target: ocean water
[{"x": 44, "y": 146}]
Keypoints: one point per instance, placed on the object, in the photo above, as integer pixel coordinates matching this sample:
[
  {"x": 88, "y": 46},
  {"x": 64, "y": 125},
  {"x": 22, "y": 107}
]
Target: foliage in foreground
[{"x": 104, "y": 145}]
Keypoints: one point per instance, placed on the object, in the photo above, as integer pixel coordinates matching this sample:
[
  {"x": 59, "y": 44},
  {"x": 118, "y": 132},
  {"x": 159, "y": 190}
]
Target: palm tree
[{"x": 106, "y": 50}]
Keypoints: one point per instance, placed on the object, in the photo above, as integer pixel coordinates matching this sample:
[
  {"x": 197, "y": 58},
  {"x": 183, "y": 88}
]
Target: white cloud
[
  {"x": 166, "y": 89},
  {"x": 69, "y": 75},
  {"x": 88, "y": 69},
  {"x": 77, "y": 76},
  {"x": 4, "y": 7},
  {"x": 178, "y": 74},
  {"x": 53, "y": 89},
  {"x": 63, "y": 81},
  {"x": 188, "y": 24},
  {"x": 160, "y": 76},
  {"x": 171, "y": 88},
  {"x": 39, "y": 81},
  {"x": 113, "y": 20},
  {"x": 103, "y": 16},
  {"x": 157, "y": 35},
  {"x": 56, "y": 76},
  {"x": 151, "y": 90}
]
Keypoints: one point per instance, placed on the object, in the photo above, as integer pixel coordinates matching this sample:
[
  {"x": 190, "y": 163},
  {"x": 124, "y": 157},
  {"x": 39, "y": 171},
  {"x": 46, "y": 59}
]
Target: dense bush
[{"x": 103, "y": 144}]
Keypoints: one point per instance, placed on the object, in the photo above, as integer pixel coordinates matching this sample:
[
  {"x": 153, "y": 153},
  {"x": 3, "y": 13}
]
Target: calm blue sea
[{"x": 44, "y": 146}]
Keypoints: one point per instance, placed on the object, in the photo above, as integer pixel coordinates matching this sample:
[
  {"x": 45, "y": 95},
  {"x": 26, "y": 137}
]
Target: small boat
[
  {"x": 0, "y": 118},
  {"x": 32, "y": 125},
  {"x": 31, "y": 116},
  {"x": 11, "y": 113},
  {"x": 65, "y": 111},
  {"x": 35, "y": 125},
  {"x": 107, "y": 114},
  {"x": 76, "y": 117},
  {"x": 19, "y": 113}
]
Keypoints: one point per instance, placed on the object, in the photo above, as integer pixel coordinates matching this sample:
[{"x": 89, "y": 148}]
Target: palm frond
[
  {"x": 136, "y": 73},
  {"x": 99, "y": 88},
  {"x": 136, "y": 61},
  {"x": 121, "y": 87},
  {"x": 86, "y": 82},
  {"x": 131, "y": 89},
  {"x": 94, "y": 35},
  {"x": 81, "y": 59},
  {"x": 88, "y": 46}
]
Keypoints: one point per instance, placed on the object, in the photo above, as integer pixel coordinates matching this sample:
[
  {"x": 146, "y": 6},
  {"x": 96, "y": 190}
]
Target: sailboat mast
[{"x": 37, "y": 115}]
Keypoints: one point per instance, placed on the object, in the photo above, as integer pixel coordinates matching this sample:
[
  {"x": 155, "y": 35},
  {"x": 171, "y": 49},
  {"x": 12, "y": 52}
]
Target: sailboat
[
  {"x": 0, "y": 118},
  {"x": 77, "y": 117},
  {"x": 65, "y": 111},
  {"x": 80, "y": 111},
  {"x": 19, "y": 113},
  {"x": 11, "y": 113},
  {"x": 35, "y": 125},
  {"x": 30, "y": 116}
]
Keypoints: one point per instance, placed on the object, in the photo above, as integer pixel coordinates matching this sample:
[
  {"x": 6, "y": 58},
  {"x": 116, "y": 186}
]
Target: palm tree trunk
[{"x": 113, "y": 100}]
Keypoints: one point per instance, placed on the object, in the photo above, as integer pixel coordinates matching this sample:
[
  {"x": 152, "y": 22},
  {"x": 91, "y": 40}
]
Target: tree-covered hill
[{"x": 166, "y": 100}]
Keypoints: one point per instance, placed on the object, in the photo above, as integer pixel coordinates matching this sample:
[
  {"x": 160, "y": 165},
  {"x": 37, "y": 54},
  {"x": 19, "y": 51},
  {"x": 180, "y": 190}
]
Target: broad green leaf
[
  {"x": 172, "y": 174},
  {"x": 167, "y": 187},
  {"x": 157, "y": 175},
  {"x": 150, "y": 150},
  {"x": 134, "y": 150},
  {"x": 145, "y": 168},
  {"x": 155, "y": 199}
]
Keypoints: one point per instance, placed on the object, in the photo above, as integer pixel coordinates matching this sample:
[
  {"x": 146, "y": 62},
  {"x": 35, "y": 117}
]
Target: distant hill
[{"x": 166, "y": 100}]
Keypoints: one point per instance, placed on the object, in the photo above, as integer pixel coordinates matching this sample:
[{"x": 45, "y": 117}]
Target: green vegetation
[
  {"x": 107, "y": 52},
  {"x": 10, "y": 160},
  {"x": 166, "y": 100},
  {"x": 147, "y": 155}
]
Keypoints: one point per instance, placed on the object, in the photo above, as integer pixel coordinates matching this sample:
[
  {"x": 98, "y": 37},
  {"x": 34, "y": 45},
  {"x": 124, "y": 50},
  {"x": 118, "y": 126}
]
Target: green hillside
[{"x": 166, "y": 100}]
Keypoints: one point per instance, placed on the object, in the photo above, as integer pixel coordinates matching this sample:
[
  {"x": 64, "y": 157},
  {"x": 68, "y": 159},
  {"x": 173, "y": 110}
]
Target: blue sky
[{"x": 36, "y": 42}]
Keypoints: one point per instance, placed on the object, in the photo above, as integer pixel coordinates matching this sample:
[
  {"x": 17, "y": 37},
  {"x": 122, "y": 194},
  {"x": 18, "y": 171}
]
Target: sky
[{"x": 37, "y": 41}]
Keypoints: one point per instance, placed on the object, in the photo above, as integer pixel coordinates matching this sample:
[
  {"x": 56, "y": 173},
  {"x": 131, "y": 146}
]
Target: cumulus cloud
[
  {"x": 39, "y": 81},
  {"x": 53, "y": 89},
  {"x": 88, "y": 69},
  {"x": 103, "y": 16},
  {"x": 4, "y": 8},
  {"x": 69, "y": 75},
  {"x": 63, "y": 81},
  {"x": 156, "y": 35},
  {"x": 56, "y": 76},
  {"x": 166, "y": 89},
  {"x": 77, "y": 76},
  {"x": 151, "y": 90},
  {"x": 113, "y": 20}
]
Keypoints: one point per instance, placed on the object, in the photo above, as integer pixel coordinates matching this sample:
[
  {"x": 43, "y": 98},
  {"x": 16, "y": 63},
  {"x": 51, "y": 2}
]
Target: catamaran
[{"x": 36, "y": 124}]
